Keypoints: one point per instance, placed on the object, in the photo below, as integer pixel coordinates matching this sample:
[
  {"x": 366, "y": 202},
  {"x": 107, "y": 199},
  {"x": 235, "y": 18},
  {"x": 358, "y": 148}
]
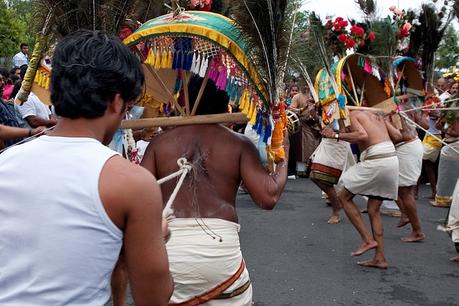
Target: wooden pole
[
  {"x": 188, "y": 120},
  {"x": 353, "y": 85},
  {"x": 201, "y": 92},
  {"x": 185, "y": 92}
]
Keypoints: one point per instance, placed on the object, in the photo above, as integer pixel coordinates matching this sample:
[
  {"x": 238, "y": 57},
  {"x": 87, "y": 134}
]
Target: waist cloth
[
  {"x": 453, "y": 216},
  {"x": 203, "y": 254},
  {"x": 410, "y": 162},
  {"x": 448, "y": 171},
  {"x": 377, "y": 173},
  {"x": 432, "y": 147},
  {"x": 329, "y": 160}
]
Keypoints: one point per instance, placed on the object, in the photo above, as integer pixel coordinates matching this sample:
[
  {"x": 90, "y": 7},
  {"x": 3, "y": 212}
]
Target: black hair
[
  {"x": 23, "y": 69},
  {"x": 89, "y": 69},
  {"x": 213, "y": 100},
  {"x": 24, "y": 45},
  {"x": 4, "y": 72}
]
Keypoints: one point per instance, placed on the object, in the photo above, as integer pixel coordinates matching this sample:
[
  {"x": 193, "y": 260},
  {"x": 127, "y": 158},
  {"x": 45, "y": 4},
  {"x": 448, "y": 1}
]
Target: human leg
[
  {"x": 407, "y": 194},
  {"x": 355, "y": 217},
  {"x": 378, "y": 261},
  {"x": 332, "y": 198},
  {"x": 430, "y": 171}
]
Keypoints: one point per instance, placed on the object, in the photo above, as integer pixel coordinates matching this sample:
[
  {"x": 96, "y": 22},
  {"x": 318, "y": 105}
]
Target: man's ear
[{"x": 117, "y": 105}]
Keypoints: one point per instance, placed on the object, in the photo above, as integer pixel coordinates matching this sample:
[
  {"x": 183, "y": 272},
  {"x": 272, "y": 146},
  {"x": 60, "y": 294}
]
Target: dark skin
[
  {"x": 133, "y": 202},
  {"x": 366, "y": 129},
  {"x": 221, "y": 159},
  {"x": 35, "y": 121}
]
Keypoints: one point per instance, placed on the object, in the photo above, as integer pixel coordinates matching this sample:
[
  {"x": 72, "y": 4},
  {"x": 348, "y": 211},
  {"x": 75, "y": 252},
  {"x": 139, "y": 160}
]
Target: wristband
[{"x": 337, "y": 136}]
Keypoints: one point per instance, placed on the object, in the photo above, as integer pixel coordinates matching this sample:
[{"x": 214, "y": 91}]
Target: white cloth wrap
[
  {"x": 198, "y": 262},
  {"x": 374, "y": 177},
  {"x": 410, "y": 162},
  {"x": 448, "y": 169},
  {"x": 453, "y": 217},
  {"x": 334, "y": 154}
]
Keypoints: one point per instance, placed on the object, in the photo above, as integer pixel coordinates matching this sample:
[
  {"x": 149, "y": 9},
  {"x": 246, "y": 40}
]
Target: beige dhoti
[
  {"x": 377, "y": 173},
  {"x": 329, "y": 160},
  {"x": 203, "y": 255},
  {"x": 453, "y": 217},
  {"x": 410, "y": 162},
  {"x": 448, "y": 172}
]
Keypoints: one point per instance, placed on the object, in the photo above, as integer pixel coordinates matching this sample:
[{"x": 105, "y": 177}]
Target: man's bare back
[{"x": 221, "y": 158}]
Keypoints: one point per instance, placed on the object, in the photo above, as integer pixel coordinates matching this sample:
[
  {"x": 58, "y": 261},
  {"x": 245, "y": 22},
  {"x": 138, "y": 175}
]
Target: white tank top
[{"x": 57, "y": 244}]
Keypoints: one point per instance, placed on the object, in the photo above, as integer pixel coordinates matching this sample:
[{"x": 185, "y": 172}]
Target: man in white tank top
[{"x": 62, "y": 231}]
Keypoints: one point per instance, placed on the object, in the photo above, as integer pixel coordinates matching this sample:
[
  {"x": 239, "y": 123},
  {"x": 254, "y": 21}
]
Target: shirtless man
[
  {"x": 376, "y": 176},
  {"x": 409, "y": 150},
  {"x": 204, "y": 251}
]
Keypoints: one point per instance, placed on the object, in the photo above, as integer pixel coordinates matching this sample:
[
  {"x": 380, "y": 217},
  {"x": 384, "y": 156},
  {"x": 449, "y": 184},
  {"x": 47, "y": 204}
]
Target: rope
[
  {"x": 185, "y": 168},
  {"x": 434, "y": 136}
]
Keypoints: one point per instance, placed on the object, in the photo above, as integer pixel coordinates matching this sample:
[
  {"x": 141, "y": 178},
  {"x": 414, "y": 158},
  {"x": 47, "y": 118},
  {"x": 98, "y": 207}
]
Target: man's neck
[{"x": 79, "y": 128}]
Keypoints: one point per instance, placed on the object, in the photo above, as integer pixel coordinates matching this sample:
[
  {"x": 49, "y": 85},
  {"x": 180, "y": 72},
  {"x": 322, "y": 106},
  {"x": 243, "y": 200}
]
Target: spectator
[{"x": 21, "y": 58}]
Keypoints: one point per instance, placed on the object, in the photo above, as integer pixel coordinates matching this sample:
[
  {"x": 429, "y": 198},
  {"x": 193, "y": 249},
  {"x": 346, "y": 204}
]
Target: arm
[
  {"x": 133, "y": 201},
  {"x": 357, "y": 134},
  {"x": 264, "y": 188},
  {"x": 421, "y": 119},
  {"x": 35, "y": 121},
  {"x": 9, "y": 132},
  {"x": 394, "y": 134}
]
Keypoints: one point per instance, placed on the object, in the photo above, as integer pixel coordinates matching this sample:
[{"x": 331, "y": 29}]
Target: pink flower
[
  {"x": 398, "y": 12},
  {"x": 407, "y": 26},
  {"x": 392, "y": 8}
]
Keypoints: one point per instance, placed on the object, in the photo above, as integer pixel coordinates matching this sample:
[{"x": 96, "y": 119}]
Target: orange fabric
[
  {"x": 327, "y": 170},
  {"x": 214, "y": 292}
]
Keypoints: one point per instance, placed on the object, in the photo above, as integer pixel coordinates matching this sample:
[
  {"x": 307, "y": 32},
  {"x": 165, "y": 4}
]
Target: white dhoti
[
  {"x": 203, "y": 255},
  {"x": 329, "y": 160},
  {"x": 453, "y": 217},
  {"x": 410, "y": 162},
  {"x": 377, "y": 173},
  {"x": 448, "y": 172}
]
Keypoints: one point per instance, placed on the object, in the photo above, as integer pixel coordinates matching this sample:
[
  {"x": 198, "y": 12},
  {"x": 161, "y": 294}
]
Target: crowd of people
[{"x": 94, "y": 210}]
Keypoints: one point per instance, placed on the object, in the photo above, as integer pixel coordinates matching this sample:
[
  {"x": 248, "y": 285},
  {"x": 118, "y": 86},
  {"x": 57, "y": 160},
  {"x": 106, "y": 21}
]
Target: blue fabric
[{"x": 7, "y": 117}]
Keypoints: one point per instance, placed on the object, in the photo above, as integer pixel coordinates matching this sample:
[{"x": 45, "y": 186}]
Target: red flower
[
  {"x": 403, "y": 33},
  {"x": 350, "y": 43},
  {"x": 371, "y": 36},
  {"x": 342, "y": 37},
  {"x": 357, "y": 30},
  {"x": 361, "y": 43}
]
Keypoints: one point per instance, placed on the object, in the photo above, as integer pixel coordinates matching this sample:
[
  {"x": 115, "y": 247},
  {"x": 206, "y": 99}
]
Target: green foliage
[
  {"x": 13, "y": 31},
  {"x": 448, "y": 52}
]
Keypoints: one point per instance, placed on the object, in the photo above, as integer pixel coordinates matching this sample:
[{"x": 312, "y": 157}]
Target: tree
[
  {"x": 12, "y": 33},
  {"x": 448, "y": 52}
]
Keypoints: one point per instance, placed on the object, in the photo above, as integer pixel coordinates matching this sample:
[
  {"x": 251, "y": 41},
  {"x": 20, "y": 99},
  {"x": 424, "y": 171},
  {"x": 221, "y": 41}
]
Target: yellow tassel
[
  {"x": 157, "y": 64},
  {"x": 242, "y": 101},
  {"x": 253, "y": 116},
  {"x": 163, "y": 64},
  {"x": 150, "y": 58}
]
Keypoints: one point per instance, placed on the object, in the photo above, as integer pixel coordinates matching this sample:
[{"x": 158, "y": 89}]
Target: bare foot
[
  {"x": 333, "y": 220},
  {"x": 373, "y": 263},
  {"x": 364, "y": 248},
  {"x": 413, "y": 237},
  {"x": 403, "y": 222}
]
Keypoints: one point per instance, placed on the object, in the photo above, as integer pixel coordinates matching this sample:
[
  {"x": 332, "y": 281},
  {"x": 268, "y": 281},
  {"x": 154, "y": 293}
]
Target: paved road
[{"x": 295, "y": 258}]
